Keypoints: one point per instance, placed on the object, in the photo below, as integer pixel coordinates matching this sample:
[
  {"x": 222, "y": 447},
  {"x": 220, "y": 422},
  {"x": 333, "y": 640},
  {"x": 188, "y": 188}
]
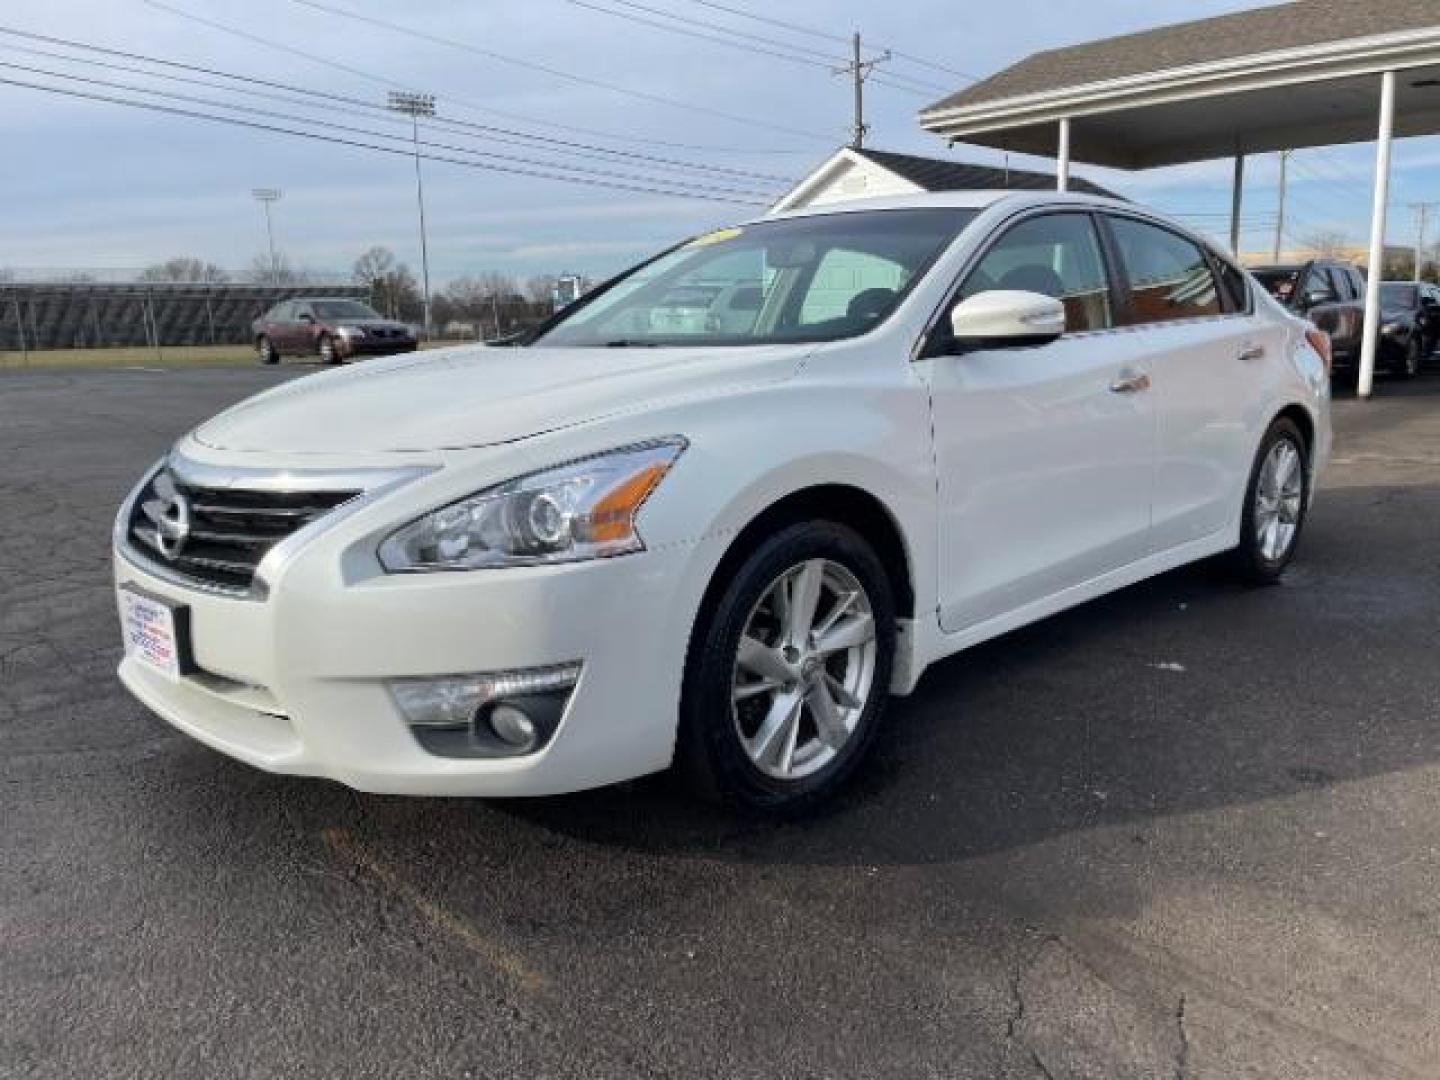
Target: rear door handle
[
  {"x": 1252, "y": 352},
  {"x": 1130, "y": 382}
]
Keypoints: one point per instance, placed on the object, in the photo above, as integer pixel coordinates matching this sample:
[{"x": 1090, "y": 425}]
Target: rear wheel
[
  {"x": 1275, "y": 504},
  {"x": 789, "y": 672},
  {"x": 266, "y": 350}
]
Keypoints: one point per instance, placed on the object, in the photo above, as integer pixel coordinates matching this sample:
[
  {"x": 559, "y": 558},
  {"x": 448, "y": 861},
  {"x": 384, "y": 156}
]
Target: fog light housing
[
  {"x": 512, "y": 724},
  {"x": 490, "y": 715}
]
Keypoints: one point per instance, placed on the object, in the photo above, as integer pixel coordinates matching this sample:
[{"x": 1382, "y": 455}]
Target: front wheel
[
  {"x": 327, "y": 351},
  {"x": 789, "y": 672},
  {"x": 1276, "y": 500},
  {"x": 265, "y": 349}
]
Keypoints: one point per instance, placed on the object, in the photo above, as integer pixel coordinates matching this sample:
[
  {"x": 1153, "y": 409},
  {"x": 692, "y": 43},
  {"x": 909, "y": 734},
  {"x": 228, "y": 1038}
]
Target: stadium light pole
[
  {"x": 265, "y": 196},
  {"x": 416, "y": 106}
]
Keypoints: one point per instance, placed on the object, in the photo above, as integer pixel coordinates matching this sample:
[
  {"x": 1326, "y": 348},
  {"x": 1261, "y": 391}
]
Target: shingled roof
[
  {"x": 1280, "y": 27},
  {"x": 936, "y": 174}
]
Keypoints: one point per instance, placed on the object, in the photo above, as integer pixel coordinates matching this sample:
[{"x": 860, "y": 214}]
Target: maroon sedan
[{"x": 334, "y": 330}]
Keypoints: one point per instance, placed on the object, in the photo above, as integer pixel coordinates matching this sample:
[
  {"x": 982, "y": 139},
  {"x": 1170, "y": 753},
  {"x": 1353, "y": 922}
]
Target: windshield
[
  {"x": 1400, "y": 296},
  {"x": 797, "y": 280},
  {"x": 344, "y": 309},
  {"x": 1278, "y": 283}
]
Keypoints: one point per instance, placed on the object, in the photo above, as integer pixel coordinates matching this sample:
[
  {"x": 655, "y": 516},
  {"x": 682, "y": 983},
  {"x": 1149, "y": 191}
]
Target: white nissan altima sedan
[{"x": 716, "y": 513}]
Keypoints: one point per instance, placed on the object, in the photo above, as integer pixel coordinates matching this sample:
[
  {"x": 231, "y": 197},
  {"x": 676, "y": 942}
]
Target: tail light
[{"x": 1320, "y": 341}]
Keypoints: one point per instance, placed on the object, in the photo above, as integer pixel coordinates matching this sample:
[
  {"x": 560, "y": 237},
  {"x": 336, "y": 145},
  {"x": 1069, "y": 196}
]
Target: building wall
[{"x": 858, "y": 180}]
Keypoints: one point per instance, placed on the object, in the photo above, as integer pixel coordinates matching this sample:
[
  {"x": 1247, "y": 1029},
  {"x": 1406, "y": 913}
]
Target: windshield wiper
[{"x": 631, "y": 343}]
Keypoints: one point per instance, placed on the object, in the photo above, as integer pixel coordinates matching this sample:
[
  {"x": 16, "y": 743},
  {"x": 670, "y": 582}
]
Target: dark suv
[
  {"x": 1329, "y": 293},
  {"x": 332, "y": 329},
  {"x": 1409, "y": 324}
]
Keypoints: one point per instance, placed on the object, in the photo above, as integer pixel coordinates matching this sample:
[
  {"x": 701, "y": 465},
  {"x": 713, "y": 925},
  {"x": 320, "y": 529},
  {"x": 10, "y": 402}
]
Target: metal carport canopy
[{"x": 1309, "y": 73}]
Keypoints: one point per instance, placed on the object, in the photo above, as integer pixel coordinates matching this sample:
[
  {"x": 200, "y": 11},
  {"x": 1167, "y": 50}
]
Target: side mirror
[
  {"x": 1002, "y": 318},
  {"x": 305, "y": 316},
  {"x": 1319, "y": 296}
]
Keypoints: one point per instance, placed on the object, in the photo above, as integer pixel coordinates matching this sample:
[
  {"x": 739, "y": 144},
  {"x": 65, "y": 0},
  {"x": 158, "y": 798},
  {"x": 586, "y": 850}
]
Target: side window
[
  {"x": 851, "y": 285},
  {"x": 280, "y": 312},
  {"x": 298, "y": 310},
  {"x": 1316, "y": 283},
  {"x": 1234, "y": 289},
  {"x": 1340, "y": 282},
  {"x": 1357, "y": 280},
  {"x": 1054, "y": 254},
  {"x": 1170, "y": 278}
]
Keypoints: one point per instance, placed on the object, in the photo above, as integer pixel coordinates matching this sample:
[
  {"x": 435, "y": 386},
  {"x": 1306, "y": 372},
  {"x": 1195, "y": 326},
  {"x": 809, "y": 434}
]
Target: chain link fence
[{"x": 37, "y": 316}]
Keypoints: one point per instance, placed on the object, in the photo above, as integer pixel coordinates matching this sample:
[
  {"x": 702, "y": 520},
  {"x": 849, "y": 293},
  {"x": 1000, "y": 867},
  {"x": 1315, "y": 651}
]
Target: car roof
[{"x": 960, "y": 200}]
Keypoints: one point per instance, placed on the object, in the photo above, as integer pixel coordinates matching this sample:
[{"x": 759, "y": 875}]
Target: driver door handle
[{"x": 1130, "y": 382}]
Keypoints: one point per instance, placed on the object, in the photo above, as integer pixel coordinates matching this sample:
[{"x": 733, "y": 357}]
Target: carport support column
[
  {"x": 1062, "y": 157},
  {"x": 1375, "y": 272},
  {"x": 1236, "y": 196}
]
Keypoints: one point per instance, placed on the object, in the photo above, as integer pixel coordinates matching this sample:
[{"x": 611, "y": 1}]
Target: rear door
[
  {"x": 1326, "y": 301},
  {"x": 273, "y": 324},
  {"x": 1044, "y": 453},
  {"x": 1206, "y": 350}
]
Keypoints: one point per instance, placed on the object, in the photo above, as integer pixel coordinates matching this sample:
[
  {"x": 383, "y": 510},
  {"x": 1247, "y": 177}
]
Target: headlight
[
  {"x": 583, "y": 510},
  {"x": 350, "y": 331}
]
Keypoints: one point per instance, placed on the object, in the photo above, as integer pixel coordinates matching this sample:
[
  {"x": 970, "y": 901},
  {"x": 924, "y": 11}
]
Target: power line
[
  {"x": 307, "y": 97},
  {"x": 556, "y": 73},
  {"x": 369, "y": 132},
  {"x": 450, "y": 99},
  {"x": 752, "y": 43},
  {"x": 341, "y": 141},
  {"x": 829, "y": 36}
]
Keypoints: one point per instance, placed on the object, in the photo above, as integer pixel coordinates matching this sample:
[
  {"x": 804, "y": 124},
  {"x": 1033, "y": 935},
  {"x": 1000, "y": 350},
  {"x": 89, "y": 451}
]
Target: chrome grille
[{"x": 217, "y": 536}]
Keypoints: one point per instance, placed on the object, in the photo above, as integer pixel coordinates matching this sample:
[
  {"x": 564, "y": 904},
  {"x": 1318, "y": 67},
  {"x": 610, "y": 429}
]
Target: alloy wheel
[
  {"x": 804, "y": 669},
  {"x": 1278, "y": 500}
]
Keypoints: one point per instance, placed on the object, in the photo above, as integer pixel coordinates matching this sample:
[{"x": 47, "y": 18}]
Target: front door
[{"x": 1045, "y": 454}]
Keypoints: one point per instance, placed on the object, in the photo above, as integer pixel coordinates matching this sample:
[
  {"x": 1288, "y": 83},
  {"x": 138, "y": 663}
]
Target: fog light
[
  {"x": 513, "y": 726},
  {"x": 495, "y": 714}
]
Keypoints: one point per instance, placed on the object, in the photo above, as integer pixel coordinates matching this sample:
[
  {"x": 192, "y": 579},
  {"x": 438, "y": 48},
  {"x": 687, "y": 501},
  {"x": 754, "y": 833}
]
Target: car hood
[{"x": 476, "y": 396}]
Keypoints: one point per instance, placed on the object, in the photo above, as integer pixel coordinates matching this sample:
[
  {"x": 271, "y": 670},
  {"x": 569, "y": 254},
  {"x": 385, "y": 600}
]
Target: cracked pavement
[{"x": 1185, "y": 831}]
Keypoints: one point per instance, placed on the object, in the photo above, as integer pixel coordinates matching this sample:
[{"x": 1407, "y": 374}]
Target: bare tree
[
  {"x": 185, "y": 268},
  {"x": 1328, "y": 242},
  {"x": 373, "y": 264},
  {"x": 279, "y": 272},
  {"x": 540, "y": 289}
]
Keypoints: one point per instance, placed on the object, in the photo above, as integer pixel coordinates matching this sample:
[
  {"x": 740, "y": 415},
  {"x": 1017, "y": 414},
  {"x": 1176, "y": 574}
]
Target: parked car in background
[
  {"x": 333, "y": 330},
  {"x": 1328, "y": 292},
  {"x": 1409, "y": 324},
  {"x": 727, "y": 504}
]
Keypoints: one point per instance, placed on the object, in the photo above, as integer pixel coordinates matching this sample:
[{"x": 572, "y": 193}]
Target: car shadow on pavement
[{"x": 1181, "y": 694}]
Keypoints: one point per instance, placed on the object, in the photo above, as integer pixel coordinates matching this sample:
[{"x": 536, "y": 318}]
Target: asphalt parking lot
[{"x": 1186, "y": 831}]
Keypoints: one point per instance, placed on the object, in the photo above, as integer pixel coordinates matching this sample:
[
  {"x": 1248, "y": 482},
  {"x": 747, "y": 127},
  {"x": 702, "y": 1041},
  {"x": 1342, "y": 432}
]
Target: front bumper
[
  {"x": 346, "y": 347},
  {"x": 296, "y": 682}
]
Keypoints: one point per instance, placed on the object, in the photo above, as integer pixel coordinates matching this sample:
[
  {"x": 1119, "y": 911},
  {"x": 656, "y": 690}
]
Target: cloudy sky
[{"x": 87, "y": 183}]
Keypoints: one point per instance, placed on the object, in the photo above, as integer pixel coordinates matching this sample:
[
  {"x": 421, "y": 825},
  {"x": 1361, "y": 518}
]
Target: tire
[
  {"x": 735, "y": 744},
  {"x": 1414, "y": 356},
  {"x": 1263, "y": 555},
  {"x": 265, "y": 350},
  {"x": 325, "y": 347}
]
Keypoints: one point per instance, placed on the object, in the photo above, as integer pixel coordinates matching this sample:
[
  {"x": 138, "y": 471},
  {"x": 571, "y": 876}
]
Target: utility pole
[
  {"x": 1280, "y": 218},
  {"x": 859, "y": 69},
  {"x": 1422, "y": 222},
  {"x": 265, "y": 196},
  {"x": 416, "y": 106}
]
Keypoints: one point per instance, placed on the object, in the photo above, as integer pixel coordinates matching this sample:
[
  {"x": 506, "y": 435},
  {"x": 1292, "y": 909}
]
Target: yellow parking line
[{"x": 492, "y": 952}]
